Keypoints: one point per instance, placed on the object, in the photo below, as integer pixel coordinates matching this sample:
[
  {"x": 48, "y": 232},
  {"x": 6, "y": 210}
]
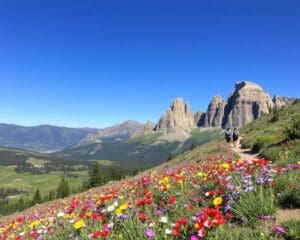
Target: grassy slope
[
  {"x": 25, "y": 181},
  {"x": 138, "y": 152},
  {"x": 28, "y": 182},
  {"x": 217, "y": 147},
  {"x": 266, "y": 135}
]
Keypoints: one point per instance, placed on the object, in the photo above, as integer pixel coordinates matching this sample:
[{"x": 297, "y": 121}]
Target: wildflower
[
  {"x": 35, "y": 224},
  {"x": 279, "y": 229},
  {"x": 217, "y": 201},
  {"x": 168, "y": 231},
  {"x": 225, "y": 165},
  {"x": 111, "y": 208},
  {"x": 150, "y": 233},
  {"x": 124, "y": 206},
  {"x": 163, "y": 219},
  {"x": 194, "y": 237},
  {"x": 201, "y": 233},
  {"x": 60, "y": 214},
  {"x": 79, "y": 224},
  {"x": 172, "y": 199}
]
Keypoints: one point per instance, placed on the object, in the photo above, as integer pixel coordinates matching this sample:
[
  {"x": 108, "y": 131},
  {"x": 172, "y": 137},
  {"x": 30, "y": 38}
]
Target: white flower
[
  {"x": 151, "y": 224},
  {"x": 163, "y": 219},
  {"x": 168, "y": 231},
  {"x": 111, "y": 208},
  {"x": 116, "y": 203},
  {"x": 110, "y": 225},
  {"x": 60, "y": 214},
  {"x": 72, "y": 221}
]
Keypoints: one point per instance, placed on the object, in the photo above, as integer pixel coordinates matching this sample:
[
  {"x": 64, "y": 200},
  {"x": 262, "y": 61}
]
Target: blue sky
[{"x": 96, "y": 63}]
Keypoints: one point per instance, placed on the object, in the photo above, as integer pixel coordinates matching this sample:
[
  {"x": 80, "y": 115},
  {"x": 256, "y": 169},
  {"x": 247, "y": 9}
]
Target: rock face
[
  {"x": 178, "y": 117},
  {"x": 282, "y": 101},
  {"x": 215, "y": 112},
  {"x": 199, "y": 118},
  {"x": 247, "y": 103},
  {"x": 128, "y": 128},
  {"x": 149, "y": 127}
]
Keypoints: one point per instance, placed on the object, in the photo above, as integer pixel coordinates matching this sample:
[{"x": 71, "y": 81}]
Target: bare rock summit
[
  {"x": 282, "y": 101},
  {"x": 215, "y": 112},
  {"x": 247, "y": 103},
  {"x": 178, "y": 117}
]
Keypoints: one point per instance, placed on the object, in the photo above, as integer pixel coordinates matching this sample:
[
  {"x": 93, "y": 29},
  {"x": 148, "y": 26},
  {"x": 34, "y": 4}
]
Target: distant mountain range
[
  {"x": 246, "y": 103},
  {"x": 43, "y": 138}
]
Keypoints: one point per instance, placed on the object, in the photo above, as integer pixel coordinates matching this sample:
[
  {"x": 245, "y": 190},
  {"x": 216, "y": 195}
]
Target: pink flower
[
  {"x": 149, "y": 233},
  {"x": 279, "y": 229},
  {"x": 194, "y": 237},
  {"x": 202, "y": 233}
]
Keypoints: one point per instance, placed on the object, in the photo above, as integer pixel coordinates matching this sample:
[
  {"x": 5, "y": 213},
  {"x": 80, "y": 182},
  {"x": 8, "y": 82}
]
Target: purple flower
[
  {"x": 150, "y": 233},
  {"x": 279, "y": 229},
  {"x": 194, "y": 237},
  {"x": 159, "y": 212},
  {"x": 265, "y": 217}
]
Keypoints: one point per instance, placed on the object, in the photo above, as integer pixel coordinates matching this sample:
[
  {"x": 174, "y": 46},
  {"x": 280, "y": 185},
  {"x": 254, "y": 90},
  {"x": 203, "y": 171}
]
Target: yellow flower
[
  {"x": 201, "y": 174},
  {"x": 225, "y": 165},
  {"x": 79, "y": 224},
  {"x": 217, "y": 201},
  {"x": 124, "y": 206},
  {"x": 298, "y": 162},
  {"x": 35, "y": 224},
  {"x": 118, "y": 211}
]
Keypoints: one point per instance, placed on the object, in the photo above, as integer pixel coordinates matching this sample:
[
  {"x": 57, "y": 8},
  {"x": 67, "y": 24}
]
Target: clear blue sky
[{"x": 96, "y": 63}]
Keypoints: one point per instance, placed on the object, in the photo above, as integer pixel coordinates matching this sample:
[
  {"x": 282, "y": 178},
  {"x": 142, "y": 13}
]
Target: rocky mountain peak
[
  {"x": 282, "y": 101},
  {"x": 149, "y": 126},
  {"x": 247, "y": 103},
  {"x": 246, "y": 84},
  {"x": 199, "y": 118},
  {"x": 127, "y": 128},
  {"x": 215, "y": 112},
  {"x": 178, "y": 117}
]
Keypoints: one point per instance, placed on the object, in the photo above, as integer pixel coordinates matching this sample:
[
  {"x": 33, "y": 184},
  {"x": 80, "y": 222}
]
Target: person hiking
[
  {"x": 228, "y": 135},
  {"x": 235, "y": 136}
]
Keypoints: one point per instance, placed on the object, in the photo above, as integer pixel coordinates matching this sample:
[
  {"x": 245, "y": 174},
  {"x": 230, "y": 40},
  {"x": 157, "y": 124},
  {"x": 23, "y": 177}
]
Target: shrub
[
  {"x": 261, "y": 142},
  {"x": 278, "y": 153},
  {"x": 292, "y": 228},
  {"x": 293, "y": 132},
  {"x": 239, "y": 233},
  {"x": 254, "y": 204},
  {"x": 275, "y": 116},
  {"x": 288, "y": 189}
]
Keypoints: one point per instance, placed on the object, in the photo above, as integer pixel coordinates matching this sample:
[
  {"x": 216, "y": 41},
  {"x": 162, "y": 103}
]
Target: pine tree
[
  {"x": 115, "y": 173},
  {"x": 193, "y": 146},
  {"x": 21, "y": 204},
  {"x": 170, "y": 157},
  {"x": 51, "y": 195},
  {"x": 63, "y": 189},
  {"x": 97, "y": 177},
  {"x": 85, "y": 185},
  {"x": 37, "y": 198}
]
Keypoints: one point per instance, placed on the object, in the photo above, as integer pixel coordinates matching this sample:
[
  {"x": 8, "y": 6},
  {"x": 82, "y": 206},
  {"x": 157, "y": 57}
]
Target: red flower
[{"x": 172, "y": 199}]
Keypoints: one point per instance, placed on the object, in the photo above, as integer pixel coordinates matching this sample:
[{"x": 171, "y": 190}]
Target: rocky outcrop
[
  {"x": 215, "y": 112},
  {"x": 178, "y": 117},
  {"x": 149, "y": 127},
  {"x": 199, "y": 118},
  {"x": 282, "y": 101},
  {"x": 128, "y": 128},
  {"x": 247, "y": 103}
]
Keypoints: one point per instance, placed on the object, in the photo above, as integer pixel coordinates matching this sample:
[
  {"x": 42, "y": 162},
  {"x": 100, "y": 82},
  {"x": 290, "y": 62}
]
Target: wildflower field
[{"x": 216, "y": 198}]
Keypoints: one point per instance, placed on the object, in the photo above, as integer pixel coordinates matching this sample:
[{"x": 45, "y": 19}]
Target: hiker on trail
[
  {"x": 228, "y": 135},
  {"x": 235, "y": 136}
]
